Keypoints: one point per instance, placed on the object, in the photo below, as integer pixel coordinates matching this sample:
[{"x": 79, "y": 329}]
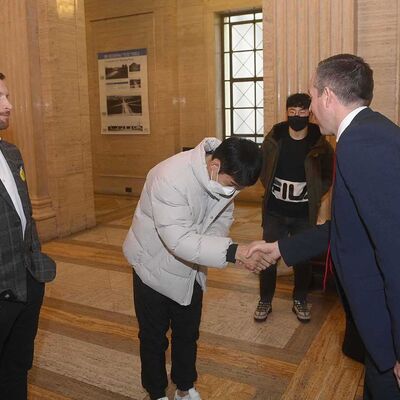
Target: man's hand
[
  {"x": 270, "y": 250},
  {"x": 396, "y": 371},
  {"x": 256, "y": 262}
]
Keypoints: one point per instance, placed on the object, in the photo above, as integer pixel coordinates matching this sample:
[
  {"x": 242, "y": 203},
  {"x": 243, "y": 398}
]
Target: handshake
[{"x": 258, "y": 255}]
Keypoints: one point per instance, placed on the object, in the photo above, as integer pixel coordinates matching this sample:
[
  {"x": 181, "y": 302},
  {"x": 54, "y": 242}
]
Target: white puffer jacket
[{"x": 179, "y": 226}]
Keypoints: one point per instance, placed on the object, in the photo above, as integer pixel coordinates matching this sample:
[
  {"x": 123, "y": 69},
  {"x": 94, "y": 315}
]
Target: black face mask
[{"x": 297, "y": 123}]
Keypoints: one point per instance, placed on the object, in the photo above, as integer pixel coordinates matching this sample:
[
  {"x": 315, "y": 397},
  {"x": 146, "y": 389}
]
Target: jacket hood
[{"x": 198, "y": 158}]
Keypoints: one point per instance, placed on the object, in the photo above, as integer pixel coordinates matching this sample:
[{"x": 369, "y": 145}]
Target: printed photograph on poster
[
  {"x": 135, "y": 83},
  {"x": 123, "y": 91},
  {"x": 117, "y": 72},
  {"x": 128, "y": 105}
]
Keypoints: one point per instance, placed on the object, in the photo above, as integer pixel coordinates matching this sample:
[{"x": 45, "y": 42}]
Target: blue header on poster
[{"x": 122, "y": 53}]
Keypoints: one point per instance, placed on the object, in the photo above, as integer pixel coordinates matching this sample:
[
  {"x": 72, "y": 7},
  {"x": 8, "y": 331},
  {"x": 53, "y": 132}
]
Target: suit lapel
[
  {"x": 3, "y": 190},
  {"x": 15, "y": 167},
  {"x": 334, "y": 180},
  {"x": 338, "y": 180},
  {"x": 365, "y": 113}
]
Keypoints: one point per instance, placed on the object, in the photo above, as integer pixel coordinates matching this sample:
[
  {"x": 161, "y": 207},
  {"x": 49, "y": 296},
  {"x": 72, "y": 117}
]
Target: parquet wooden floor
[{"x": 87, "y": 346}]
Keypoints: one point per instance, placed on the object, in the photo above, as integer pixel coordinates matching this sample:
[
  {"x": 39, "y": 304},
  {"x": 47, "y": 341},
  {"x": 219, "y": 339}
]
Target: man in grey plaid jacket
[{"x": 23, "y": 268}]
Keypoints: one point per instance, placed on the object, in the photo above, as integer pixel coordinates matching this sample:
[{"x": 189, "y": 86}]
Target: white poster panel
[{"x": 123, "y": 90}]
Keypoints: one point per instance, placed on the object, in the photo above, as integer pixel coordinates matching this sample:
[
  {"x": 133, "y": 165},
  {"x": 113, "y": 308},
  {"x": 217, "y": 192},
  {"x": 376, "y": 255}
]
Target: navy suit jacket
[{"x": 365, "y": 232}]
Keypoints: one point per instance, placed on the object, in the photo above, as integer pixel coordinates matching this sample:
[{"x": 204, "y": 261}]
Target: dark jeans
[
  {"x": 18, "y": 328},
  {"x": 379, "y": 385},
  {"x": 155, "y": 314},
  {"x": 277, "y": 227}
]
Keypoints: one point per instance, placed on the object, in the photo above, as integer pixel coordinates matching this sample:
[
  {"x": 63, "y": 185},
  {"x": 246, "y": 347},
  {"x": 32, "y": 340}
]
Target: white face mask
[{"x": 216, "y": 187}]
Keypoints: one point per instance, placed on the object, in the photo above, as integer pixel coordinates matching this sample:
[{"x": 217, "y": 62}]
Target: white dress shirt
[
  {"x": 347, "y": 121},
  {"x": 7, "y": 178}
]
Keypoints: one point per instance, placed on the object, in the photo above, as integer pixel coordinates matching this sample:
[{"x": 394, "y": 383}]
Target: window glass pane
[
  {"x": 260, "y": 94},
  {"x": 244, "y": 17},
  {"x": 226, "y": 19},
  {"x": 259, "y": 16},
  {"x": 243, "y": 94},
  {"x": 228, "y": 128},
  {"x": 226, "y": 38},
  {"x": 259, "y": 35},
  {"x": 227, "y": 66},
  {"x": 243, "y": 37},
  {"x": 260, "y": 121},
  {"x": 227, "y": 95},
  {"x": 243, "y": 64},
  {"x": 243, "y": 121},
  {"x": 259, "y": 63}
]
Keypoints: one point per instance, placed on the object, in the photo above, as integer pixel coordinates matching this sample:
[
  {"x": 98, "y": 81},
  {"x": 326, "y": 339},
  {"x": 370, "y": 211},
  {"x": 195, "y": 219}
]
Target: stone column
[{"x": 21, "y": 64}]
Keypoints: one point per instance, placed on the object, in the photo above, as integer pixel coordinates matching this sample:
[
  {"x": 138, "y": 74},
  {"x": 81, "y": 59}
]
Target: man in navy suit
[{"x": 365, "y": 226}]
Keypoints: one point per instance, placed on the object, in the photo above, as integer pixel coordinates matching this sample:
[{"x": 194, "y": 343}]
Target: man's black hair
[
  {"x": 2, "y": 76},
  {"x": 241, "y": 159},
  {"x": 302, "y": 100}
]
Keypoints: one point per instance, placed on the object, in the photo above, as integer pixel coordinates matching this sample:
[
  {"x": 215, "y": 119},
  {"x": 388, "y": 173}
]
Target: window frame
[{"x": 231, "y": 80}]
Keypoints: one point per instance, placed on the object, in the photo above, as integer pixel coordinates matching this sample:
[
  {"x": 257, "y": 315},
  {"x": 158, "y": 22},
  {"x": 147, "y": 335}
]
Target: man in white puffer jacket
[{"x": 179, "y": 229}]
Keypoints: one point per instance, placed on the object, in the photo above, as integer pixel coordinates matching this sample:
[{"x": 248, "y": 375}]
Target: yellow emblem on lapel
[{"x": 22, "y": 173}]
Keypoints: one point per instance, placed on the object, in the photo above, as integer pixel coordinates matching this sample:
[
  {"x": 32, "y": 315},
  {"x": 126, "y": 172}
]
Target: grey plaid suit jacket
[{"x": 17, "y": 253}]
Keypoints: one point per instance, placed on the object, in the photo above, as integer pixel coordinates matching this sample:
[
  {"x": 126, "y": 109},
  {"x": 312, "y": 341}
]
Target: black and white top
[{"x": 289, "y": 195}]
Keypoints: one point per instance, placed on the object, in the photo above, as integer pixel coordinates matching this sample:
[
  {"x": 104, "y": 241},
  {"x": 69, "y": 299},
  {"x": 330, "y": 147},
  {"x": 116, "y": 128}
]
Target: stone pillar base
[{"x": 45, "y": 218}]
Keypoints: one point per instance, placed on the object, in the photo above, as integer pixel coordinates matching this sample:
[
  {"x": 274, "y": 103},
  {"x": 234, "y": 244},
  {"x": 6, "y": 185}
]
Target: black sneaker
[
  {"x": 302, "y": 310},
  {"x": 262, "y": 311}
]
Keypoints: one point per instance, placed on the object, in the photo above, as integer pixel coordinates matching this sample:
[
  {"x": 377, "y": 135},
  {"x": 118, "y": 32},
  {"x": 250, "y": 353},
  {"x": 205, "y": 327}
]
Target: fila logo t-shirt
[{"x": 289, "y": 194}]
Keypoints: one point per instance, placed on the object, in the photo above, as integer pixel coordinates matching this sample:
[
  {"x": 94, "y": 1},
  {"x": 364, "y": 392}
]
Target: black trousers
[
  {"x": 379, "y": 385},
  {"x": 18, "y": 328},
  {"x": 277, "y": 227},
  {"x": 156, "y": 314},
  {"x": 353, "y": 345}
]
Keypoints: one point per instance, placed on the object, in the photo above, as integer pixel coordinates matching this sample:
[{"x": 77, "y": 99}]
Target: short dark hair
[
  {"x": 241, "y": 159},
  {"x": 348, "y": 76},
  {"x": 2, "y": 76},
  {"x": 302, "y": 100}
]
